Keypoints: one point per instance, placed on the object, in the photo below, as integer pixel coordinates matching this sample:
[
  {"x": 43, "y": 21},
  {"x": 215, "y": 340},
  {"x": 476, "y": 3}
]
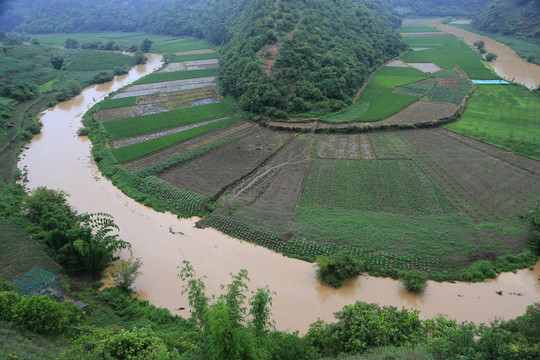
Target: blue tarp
[{"x": 490, "y": 82}]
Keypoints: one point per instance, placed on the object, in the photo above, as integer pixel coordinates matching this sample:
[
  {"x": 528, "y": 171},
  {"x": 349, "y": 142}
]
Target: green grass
[
  {"x": 184, "y": 44},
  {"x": 377, "y": 100},
  {"x": 447, "y": 52},
  {"x": 179, "y": 58},
  {"x": 121, "y": 38},
  {"x": 117, "y": 103},
  {"x": 136, "y": 151},
  {"x": 407, "y": 29},
  {"x": 19, "y": 253},
  {"x": 47, "y": 87},
  {"x": 5, "y": 100},
  {"x": 178, "y": 75},
  {"x": 393, "y": 186},
  {"x": 506, "y": 116},
  {"x": 150, "y": 123},
  {"x": 89, "y": 60}
]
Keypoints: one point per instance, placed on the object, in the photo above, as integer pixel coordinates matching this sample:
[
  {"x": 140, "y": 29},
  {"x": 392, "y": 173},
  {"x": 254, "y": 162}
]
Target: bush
[
  {"x": 82, "y": 131},
  {"x": 491, "y": 56},
  {"x": 336, "y": 269},
  {"x": 126, "y": 273},
  {"x": 8, "y": 299},
  {"x": 103, "y": 76},
  {"x": 41, "y": 314},
  {"x": 120, "y": 70},
  {"x": 478, "y": 271},
  {"x": 415, "y": 281},
  {"x": 6, "y": 285}
]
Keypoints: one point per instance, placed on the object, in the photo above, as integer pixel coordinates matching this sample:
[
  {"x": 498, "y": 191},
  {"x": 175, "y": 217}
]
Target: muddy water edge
[
  {"x": 508, "y": 64},
  {"x": 59, "y": 159}
]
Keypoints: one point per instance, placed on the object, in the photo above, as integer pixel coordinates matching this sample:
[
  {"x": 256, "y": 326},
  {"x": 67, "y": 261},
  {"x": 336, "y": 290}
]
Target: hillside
[
  {"x": 511, "y": 17},
  {"x": 438, "y": 7},
  {"x": 304, "y": 58}
]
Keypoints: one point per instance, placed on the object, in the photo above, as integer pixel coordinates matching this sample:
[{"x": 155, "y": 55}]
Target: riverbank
[{"x": 508, "y": 64}]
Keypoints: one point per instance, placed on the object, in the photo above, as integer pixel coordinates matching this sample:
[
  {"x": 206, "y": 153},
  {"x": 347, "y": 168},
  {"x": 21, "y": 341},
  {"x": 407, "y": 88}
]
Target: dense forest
[
  {"x": 306, "y": 58},
  {"x": 511, "y": 17},
  {"x": 438, "y": 7}
]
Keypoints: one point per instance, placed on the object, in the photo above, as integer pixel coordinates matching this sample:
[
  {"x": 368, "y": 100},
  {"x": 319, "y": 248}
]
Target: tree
[
  {"x": 71, "y": 44},
  {"x": 126, "y": 272},
  {"x": 491, "y": 56},
  {"x": 35, "y": 41},
  {"x": 139, "y": 57},
  {"x": 414, "y": 281},
  {"x": 57, "y": 61},
  {"x": 103, "y": 76},
  {"x": 145, "y": 45},
  {"x": 336, "y": 269},
  {"x": 73, "y": 88}
]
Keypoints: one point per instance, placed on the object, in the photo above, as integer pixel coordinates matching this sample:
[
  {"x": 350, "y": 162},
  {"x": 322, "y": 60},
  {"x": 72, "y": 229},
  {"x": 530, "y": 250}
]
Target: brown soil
[
  {"x": 185, "y": 146},
  {"x": 354, "y": 146},
  {"x": 274, "y": 50},
  {"x": 421, "y": 112},
  {"x": 194, "y": 52},
  {"x": 448, "y": 82},
  {"x": 214, "y": 171},
  {"x": 269, "y": 196}
]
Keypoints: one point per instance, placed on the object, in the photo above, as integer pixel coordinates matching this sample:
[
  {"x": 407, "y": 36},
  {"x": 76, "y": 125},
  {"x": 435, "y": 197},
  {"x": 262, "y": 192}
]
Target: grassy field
[
  {"x": 179, "y": 58},
  {"x": 135, "y": 151},
  {"x": 393, "y": 186},
  {"x": 116, "y": 103},
  {"x": 416, "y": 27},
  {"x": 151, "y": 123},
  {"x": 121, "y": 38},
  {"x": 506, "y": 116},
  {"x": 377, "y": 100},
  {"x": 178, "y": 75},
  {"x": 19, "y": 253},
  {"x": 184, "y": 44},
  {"x": 447, "y": 52}
]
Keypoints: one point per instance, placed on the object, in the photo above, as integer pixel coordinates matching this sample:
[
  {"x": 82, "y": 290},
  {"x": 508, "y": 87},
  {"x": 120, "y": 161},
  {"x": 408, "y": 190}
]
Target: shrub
[
  {"x": 6, "y": 285},
  {"x": 126, "y": 273},
  {"x": 103, "y": 76},
  {"x": 478, "y": 271},
  {"x": 336, "y": 269},
  {"x": 41, "y": 314},
  {"x": 7, "y": 300},
  {"x": 491, "y": 56},
  {"x": 82, "y": 131},
  {"x": 414, "y": 281}
]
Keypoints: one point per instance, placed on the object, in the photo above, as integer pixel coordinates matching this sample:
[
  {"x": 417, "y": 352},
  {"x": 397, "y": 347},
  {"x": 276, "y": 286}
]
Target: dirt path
[{"x": 508, "y": 64}]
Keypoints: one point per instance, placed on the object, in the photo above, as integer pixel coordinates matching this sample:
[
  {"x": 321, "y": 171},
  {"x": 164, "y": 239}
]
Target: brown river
[
  {"x": 58, "y": 159},
  {"x": 508, "y": 64}
]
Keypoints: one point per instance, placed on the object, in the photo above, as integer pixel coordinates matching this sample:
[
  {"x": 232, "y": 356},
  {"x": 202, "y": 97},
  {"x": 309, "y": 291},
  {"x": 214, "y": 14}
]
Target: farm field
[
  {"x": 422, "y": 112},
  {"x": 181, "y": 45},
  {"x": 151, "y": 123},
  {"x": 19, "y": 253},
  {"x": 506, "y": 116},
  {"x": 354, "y": 146},
  {"x": 216, "y": 170},
  {"x": 191, "y": 57},
  {"x": 178, "y": 75},
  {"x": 121, "y": 38},
  {"x": 168, "y": 86},
  {"x": 447, "y": 52}
]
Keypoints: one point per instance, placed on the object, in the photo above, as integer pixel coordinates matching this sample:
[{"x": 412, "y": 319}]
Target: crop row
[
  {"x": 117, "y": 103},
  {"x": 167, "y": 164},
  {"x": 306, "y": 249},
  {"x": 138, "y": 150},
  {"x": 177, "y": 75},
  {"x": 186, "y": 202},
  {"x": 450, "y": 95},
  {"x": 145, "y": 124}
]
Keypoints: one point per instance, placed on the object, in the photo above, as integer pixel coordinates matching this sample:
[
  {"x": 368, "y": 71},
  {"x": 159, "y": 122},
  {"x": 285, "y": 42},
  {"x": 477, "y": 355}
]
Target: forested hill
[
  {"x": 304, "y": 57},
  {"x": 511, "y": 17},
  {"x": 438, "y": 7}
]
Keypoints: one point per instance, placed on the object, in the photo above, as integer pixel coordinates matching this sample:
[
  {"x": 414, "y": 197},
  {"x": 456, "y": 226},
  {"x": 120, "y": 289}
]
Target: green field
[
  {"x": 417, "y": 28},
  {"x": 184, "y": 44},
  {"x": 19, "y": 253},
  {"x": 178, "y": 75},
  {"x": 116, "y": 103},
  {"x": 179, "y": 58},
  {"x": 447, "y": 52},
  {"x": 450, "y": 95},
  {"x": 121, "y": 38},
  {"x": 135, "y": 151},
  {"x": 377, "y": 100},
  {"x": 151, "y": 123},
  {"x": 392, "y": 186},
  {"x": 89, "y": 60},
  {"x": 506, "y": 116}
]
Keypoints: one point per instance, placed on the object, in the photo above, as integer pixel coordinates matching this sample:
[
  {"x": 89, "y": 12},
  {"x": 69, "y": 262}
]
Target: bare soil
[
  {"x": 428, "y": 68},
  {"x": 191, "y": 65},
  {"x": 421, "y": 112},
  {"x": 216, "y": 170},
  {"x": 194, "y": 52},
  {"x": 354, "y": 146},
  {"x": 167, "y": 86},
  {"x": 396, "y": 63},
  {"x": 448, "y": 82},
  {"x": 191, "y": 144}
]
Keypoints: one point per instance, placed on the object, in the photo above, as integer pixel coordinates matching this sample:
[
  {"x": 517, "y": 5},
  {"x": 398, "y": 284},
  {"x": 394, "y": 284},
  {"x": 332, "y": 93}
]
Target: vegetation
[
  {"x": 414, "y": 281},
  {"x": 151, "y": 123},
  {"x": 179, "y": 58},
  {"x": 126, "y": 272},
  {"x": 337, "y": 269},
  {"x": 179, "y": 75},
  {"x": 325, "y": 63},
  {"x": 504, "y": 116},
  {"x": 456, "y": 8},
  {"x": 116, "y": 103},
  {"x": 135, "y": 151}
]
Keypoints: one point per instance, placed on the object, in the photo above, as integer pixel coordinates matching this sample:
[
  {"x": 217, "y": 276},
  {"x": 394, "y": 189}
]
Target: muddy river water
[
  {"x": 58, "y": 159},
  {"x": 508, "y": 64}
]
